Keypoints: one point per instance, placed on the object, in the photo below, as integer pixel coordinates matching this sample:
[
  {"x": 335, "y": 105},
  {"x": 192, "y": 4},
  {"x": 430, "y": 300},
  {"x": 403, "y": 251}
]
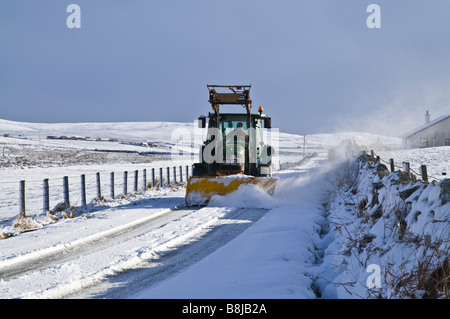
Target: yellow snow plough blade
[{"x": 200, "y": 189}]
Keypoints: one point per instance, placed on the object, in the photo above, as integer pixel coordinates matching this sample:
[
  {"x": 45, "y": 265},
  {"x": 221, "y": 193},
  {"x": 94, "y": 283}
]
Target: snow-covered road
[
  {"x": 62, "y": 258},
  {"x": 272, "y": 259},
  {"x": 236, "y": 247}
]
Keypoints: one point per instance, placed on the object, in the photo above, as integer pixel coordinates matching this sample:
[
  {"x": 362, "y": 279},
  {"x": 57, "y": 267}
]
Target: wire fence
[
  {"x": 35, "y": 196},
  {"x": 406, "y": 167}
]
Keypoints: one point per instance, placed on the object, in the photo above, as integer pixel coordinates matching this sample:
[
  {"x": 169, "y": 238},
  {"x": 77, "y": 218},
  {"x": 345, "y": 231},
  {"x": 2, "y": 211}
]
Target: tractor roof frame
[{"x": 239, "y": 95}]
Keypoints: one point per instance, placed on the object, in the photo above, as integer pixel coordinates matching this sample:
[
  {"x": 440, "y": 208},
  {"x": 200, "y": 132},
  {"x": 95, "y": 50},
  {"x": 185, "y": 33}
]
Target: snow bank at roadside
[
  {"x": 25, "y": 223},
  {"x": 388, "y": 235}
]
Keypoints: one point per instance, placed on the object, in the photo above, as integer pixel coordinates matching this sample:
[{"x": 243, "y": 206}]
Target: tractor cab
[{"x": 234, "y": 144}]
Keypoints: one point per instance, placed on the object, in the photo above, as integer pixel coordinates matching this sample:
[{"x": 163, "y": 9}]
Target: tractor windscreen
[
  {"x": 236, "y": 126},
  {"x": 234, "y": 136}
]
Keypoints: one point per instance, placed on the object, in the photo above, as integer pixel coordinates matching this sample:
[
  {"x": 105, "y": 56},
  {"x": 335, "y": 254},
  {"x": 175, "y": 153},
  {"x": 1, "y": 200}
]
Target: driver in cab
[{"x": 239, "y": 132}]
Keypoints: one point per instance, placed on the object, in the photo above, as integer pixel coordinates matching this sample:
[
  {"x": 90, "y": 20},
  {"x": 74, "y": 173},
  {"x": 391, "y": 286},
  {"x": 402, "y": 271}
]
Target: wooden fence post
[
  {"x": 187, "y": 173},
  {"x": 46, "y": 206},
  {"x": 125, "y": 182},
  {"x": 174, "y": 174},
  {"x": 22, "y": 197},
  {"x": 391, "y": 162},
  {"x": 423, "y": 170},
  {"x": 66, "y": 190},
  {"x": 99, "y": 187},
  {"x": 83, "y": 190},
  {"x": 111, "y": 185},
  {"x": 136, "y": 187},
  {"x": 153, "y": 177},
  {"x": 406, "y": 168},
  {"x": 181, "y": 174},
  {"x": 144, "y": 179},
  {"x": 161, "y": 177},
  {"x": 168, "y": 176}
]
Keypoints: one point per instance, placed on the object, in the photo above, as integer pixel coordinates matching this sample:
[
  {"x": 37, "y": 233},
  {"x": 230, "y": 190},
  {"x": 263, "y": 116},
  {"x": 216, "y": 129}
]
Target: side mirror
[
  {"x": 202, "y": 122},
  {"x": 267, "y": 122}
]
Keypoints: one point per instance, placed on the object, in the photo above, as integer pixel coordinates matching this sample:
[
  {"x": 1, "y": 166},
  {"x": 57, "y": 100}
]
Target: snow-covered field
[
  {"x": 244, "y": 245},
  {"x": 436, "y": 159}
]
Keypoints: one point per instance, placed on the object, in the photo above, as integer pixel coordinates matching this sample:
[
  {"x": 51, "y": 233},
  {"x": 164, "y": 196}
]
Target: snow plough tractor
[{"x": 234, "y": 152}]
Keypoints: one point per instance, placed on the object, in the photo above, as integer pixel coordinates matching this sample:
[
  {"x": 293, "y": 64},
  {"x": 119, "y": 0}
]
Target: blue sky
[{"x": 314, "y": 65}]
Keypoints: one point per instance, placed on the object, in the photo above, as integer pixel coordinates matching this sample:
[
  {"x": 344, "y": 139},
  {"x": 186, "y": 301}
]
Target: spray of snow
[{"x": 247, "y": 196}]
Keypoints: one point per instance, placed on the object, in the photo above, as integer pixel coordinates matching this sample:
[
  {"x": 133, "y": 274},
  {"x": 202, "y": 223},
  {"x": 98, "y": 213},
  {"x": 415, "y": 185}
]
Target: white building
[{"x": 432, "y": 133}]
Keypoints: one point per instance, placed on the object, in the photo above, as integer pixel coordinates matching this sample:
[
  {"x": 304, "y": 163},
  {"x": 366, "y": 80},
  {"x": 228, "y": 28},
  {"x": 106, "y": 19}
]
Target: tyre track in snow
[
  {"x": 185, "y": 237},
  {"x": 49, "y": 256},
  {"x": 172, "y": 261}
]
